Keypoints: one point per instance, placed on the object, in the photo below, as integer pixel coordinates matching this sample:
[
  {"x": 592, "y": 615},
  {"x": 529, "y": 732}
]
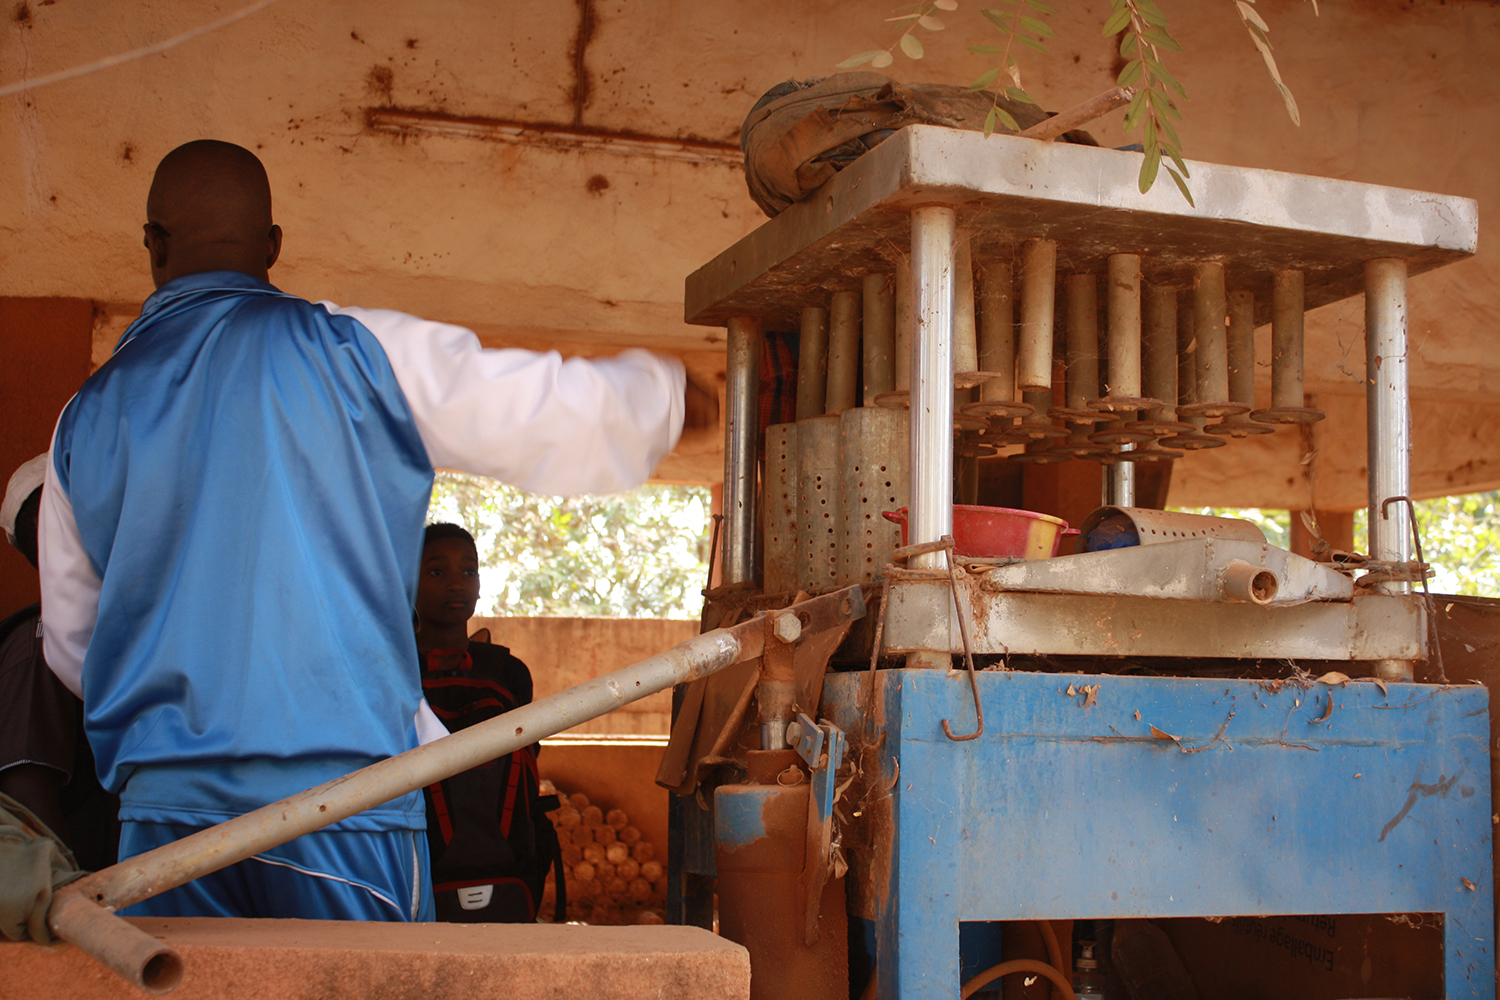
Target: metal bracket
[{"x": 821, "y": 746}]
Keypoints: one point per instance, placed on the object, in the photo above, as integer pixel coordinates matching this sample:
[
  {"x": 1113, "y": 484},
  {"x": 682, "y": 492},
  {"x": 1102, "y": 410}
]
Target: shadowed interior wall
[{"x": 44, "y": 344}]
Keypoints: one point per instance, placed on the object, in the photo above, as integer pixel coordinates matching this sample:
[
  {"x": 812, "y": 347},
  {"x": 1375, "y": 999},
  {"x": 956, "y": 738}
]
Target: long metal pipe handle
[{"x": 81, "y": 912}]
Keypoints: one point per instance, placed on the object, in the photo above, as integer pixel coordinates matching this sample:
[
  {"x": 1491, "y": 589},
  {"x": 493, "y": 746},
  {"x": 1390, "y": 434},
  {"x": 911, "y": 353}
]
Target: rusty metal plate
[
  {"x": 1187, "y": 569},
  {"x": 1368, "y": 627}
]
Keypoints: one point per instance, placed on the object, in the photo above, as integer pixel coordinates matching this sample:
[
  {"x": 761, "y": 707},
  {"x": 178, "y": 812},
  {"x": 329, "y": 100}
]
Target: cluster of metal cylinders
[
  {"x": 1152, "y": 367},
  {"x": 1133, "y": 374}
]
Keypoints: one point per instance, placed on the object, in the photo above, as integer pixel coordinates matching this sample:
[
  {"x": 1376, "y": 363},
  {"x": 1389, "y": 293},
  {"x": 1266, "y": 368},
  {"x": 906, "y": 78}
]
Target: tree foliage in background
[
  {"x": 1276, "y": 525},
  {"x": 1144, "y": 36},
  {"x": 1460, "y": 538},
  {"x": 641, "y": 554}
]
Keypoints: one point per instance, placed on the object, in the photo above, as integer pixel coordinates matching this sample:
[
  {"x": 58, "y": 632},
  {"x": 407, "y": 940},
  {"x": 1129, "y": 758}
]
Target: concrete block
[{"x": 230, "y": 959}]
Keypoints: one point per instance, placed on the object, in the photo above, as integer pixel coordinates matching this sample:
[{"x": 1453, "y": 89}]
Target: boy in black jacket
[{"x": 490, "y": 839}]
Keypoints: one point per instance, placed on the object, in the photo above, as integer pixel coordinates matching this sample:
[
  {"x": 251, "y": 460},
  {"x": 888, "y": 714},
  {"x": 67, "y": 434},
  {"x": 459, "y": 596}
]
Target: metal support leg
[
  {"x": 933, "y": 287},
  {"x": 1389, "y": 409},
  {"x": 740, "y": 432}
]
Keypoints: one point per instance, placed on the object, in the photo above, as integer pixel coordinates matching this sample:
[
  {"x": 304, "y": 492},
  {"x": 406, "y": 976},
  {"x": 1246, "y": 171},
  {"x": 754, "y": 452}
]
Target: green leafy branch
[
  {"x": 1144, "y": 33},
  {"x": 1016, "y": 27},
  {"x": 918, "y": 15}
]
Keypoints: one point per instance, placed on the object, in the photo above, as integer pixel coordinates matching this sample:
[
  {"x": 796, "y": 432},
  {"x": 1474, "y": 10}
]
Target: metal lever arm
[{"x": 81, "y": 912}]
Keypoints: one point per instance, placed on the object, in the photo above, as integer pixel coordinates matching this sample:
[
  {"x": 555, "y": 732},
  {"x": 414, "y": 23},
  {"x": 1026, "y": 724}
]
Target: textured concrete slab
[{"x": 317, "y": 959}]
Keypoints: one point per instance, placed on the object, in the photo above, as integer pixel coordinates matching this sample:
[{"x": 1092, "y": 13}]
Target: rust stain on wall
[{"x": 581, "y": 82}]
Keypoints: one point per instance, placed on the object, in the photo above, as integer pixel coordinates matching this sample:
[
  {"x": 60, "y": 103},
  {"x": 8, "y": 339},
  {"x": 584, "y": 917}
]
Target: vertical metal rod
[
  {"x": 1210, "y": 311},
  {"x": 1038, "y": 289},
  {"x": 1388, "y": 406},
  {"x": 1119, "y": 482},
  {"x": 812, "y": 363},
  {"x": 879, "y": 336},
  {"x": 965, "y": 338},
  {"x": 843, "y": 352},
  {"x": 906, "y": 323},
  {"x": 1082, "y": 379},
  {"x": 1287, "y": 391},
  {"x": 997, "y": 333},
  {"x": 741, "y": 427},
  {"x": 1124, "y": 326},
  {"x": 933, "y": 232},
  {"x": 1159, "y": 368},
  {"x": 1242, "y": 347}
]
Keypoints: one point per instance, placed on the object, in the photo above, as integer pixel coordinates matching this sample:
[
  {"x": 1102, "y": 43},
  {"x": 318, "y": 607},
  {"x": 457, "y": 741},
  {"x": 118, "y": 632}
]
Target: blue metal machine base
[{"x": 1165, "y": 797}]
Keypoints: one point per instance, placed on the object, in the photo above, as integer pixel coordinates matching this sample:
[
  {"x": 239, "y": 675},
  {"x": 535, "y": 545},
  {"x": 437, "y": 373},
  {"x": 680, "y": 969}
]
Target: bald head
[{"x": 210, "y": 210}]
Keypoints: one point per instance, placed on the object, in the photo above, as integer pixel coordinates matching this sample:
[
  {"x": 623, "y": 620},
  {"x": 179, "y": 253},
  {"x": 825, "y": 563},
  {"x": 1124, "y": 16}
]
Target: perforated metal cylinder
[
  {"x": 879, "y": 316},
  {"x": 741, "y": 423},
  {"x": 1082, "y": 339},
  {"x": 820, "y": 525},
  {"x": 843, "y": 351},
  {"x": 1038, "y": 290},
  {"x": 782, "y": 511},
  {"x": 965, "y": 336},
  {"x": 1287, "y": 389},
  {"x": 1388, "y": 409},
  {"x": 933, "y": 230},
  {"x": 997, "y": 332},
  {"x": 812, "y": 363},
  {"x": 906, "y": 323},
  {"x": 1124, "y": 302},
  {"x": 1210, "y": 311},
  {"x": 1159, "y": 349},
  {"x": 875, "y": 479}
]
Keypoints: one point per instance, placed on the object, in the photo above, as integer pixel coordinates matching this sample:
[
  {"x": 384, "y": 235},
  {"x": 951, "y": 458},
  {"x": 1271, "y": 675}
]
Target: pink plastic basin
[{"x": 998, "y": 532}]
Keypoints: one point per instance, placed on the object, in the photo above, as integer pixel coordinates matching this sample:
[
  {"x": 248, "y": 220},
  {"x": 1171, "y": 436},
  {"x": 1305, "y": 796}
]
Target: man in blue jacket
[{"x": 231, "y": 530}]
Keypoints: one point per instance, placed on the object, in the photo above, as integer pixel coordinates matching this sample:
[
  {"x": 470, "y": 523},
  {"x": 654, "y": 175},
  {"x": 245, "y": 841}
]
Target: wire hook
[
  {"x": 963, "y": 630},
  {"x": 1416, "y": 537}
]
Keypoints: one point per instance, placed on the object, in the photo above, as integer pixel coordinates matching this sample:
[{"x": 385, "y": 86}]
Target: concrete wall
[
  {"x": 554, "y": 240},
  {"x": 563, "y": 652}
]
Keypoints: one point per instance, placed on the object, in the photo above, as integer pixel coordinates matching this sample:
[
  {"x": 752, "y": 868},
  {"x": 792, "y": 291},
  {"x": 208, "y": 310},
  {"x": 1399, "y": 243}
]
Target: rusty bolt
[
  {"x": 793, "y": 733},
  {"x": 787, "y": 628}
]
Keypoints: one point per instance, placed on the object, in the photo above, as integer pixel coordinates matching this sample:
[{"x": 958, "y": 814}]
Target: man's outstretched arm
[{"x": 535, "y": 420}]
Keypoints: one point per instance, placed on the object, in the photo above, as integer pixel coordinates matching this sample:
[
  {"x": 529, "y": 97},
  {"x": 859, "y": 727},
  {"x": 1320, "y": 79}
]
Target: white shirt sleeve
[
  {"x": 429, "y": 726},
  {"x": 70, "y": 587},
  {"x": 533, "y": 420}
]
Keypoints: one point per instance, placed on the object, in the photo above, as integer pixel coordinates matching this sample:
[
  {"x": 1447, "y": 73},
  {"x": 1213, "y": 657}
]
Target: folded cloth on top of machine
[{"x": 802, "y": 132}]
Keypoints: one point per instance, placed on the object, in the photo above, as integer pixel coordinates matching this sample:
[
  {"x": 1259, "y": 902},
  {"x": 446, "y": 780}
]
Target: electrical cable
[
  {"x": 124, "y": 57},
  {"x": 1018, "y": 965}
]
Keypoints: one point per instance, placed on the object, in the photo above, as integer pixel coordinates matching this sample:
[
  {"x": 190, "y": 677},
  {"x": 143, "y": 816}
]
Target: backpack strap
[{"x": 551, "y": 850}]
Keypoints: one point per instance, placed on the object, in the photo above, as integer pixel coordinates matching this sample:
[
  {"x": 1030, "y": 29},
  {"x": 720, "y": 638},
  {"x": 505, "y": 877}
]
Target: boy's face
[{"x": 448, "y": 586}]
